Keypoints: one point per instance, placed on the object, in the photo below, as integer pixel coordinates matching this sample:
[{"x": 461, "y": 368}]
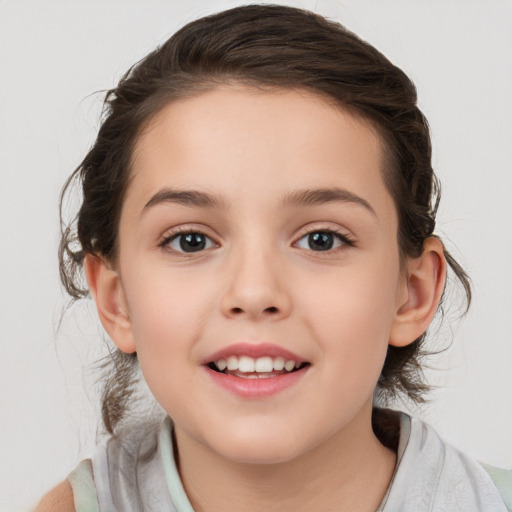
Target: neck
[{"x": 351, "y": 470}]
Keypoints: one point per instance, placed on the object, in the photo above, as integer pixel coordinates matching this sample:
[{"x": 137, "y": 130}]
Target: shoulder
[
  {"x": 465, "y": 479},
  {"x": 433, "y": 475},
  {"x": 502, "y": 479},
  {"x": 59, "y": 498}
]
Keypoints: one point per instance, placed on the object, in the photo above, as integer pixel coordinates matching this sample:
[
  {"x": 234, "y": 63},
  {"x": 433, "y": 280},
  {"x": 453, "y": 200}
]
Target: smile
[
  {"x": 255, "y": 371},
  {"x": 247, "y": 367}
]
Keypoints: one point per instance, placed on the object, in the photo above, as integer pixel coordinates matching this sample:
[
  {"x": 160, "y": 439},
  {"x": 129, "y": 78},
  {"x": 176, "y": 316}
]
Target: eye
[
  {"x": 323, "y": 241},
  {"x": 189, "y": 242}
]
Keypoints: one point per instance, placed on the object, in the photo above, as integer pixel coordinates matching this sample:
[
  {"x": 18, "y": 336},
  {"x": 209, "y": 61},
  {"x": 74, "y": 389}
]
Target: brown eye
[
  {"x": 321, "y": 241},
  {"x": 190, "y": 242}
]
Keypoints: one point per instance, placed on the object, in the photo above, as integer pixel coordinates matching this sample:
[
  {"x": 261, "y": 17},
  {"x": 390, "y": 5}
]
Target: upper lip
[{"x": 254, "y": 350}]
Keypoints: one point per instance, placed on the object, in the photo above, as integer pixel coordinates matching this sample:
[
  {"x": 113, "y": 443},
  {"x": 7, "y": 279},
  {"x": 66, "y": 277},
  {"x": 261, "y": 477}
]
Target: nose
[{"x": 257, "y": 287}]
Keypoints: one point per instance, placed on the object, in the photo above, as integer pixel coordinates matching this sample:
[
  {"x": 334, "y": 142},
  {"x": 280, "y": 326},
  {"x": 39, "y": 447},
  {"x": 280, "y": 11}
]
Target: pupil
[
  {"x": 321, "y": 241},
  {"x": 192, "y": 242}
]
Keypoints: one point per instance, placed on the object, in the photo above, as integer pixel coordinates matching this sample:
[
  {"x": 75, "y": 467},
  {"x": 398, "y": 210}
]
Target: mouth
[
  {"x": 247, "y": 367},
  {"x": 256, "y": 371}
]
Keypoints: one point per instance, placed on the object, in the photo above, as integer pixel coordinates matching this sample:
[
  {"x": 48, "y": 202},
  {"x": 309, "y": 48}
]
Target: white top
[{"x": 140, "y": 474}]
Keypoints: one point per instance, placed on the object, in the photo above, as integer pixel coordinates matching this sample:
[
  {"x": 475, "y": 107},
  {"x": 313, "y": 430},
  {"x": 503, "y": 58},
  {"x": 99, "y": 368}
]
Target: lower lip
[{"x": 256, "y": 388}]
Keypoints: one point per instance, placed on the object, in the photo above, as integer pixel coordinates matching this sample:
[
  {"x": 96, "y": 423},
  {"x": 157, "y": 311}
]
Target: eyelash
[
  {"x": 179, "y": 232},
  {"x": 342, "y": 237}
]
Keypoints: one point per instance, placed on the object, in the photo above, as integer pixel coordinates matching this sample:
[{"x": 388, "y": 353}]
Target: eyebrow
[
  {"x": 186, "y": 197},
  {"x": 298, "y": 198},
  {"x": 312, "y": 197}
]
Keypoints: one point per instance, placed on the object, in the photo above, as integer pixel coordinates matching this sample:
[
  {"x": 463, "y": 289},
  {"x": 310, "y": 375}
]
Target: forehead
[{"x": 236, "y": 139}]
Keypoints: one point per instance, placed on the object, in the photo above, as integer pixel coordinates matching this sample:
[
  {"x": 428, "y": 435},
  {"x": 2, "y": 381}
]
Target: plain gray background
[{"x": 55, "y": 54}]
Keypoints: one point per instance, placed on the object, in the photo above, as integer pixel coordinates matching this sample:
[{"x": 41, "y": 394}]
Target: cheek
[
  {"x": 351, "y": 317},
  {"x": 167, "y": 315},
  {"x": 167, "y": 306}
]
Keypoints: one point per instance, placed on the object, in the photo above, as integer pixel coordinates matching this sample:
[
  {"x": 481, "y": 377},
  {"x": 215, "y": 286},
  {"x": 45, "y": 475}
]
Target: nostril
[{"x": 272, "y": 310}]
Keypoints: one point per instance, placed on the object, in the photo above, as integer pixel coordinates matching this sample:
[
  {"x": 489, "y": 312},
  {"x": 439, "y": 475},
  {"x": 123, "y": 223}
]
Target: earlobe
[
  {"x": 426, "y": 276},
  {"x": 107, "y": 290}
]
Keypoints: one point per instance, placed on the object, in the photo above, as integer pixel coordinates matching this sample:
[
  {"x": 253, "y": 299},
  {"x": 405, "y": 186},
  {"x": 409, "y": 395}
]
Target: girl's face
[{"x": 257, "y": 230}]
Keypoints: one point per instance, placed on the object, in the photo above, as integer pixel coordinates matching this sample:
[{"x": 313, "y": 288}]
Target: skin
[
  {"x": 311, "y": 446},
  {"x": 59, "y": 498}
]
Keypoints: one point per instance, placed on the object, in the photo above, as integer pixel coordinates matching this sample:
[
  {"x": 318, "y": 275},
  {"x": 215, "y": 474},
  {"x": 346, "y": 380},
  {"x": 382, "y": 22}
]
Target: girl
[{"x": 257, "y": 231}]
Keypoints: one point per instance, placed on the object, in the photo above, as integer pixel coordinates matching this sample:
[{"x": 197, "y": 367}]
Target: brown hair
[{"x": 264, "y": 46}]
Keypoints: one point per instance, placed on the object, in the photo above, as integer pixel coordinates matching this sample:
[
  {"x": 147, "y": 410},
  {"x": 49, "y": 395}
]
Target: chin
[
  {"x": 254, "y": 456},
  {"x": 260, "y": 448}
]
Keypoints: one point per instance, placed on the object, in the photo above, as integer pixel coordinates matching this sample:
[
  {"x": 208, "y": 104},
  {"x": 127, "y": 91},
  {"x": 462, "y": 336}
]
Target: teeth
[
  {"x": 232, "y": 363},
  {"x": 246, "y": 364},
  {"x": 278, "y": 363},
  {"x": 289, "y": 366},
  {"x": 263, "y": 366}
]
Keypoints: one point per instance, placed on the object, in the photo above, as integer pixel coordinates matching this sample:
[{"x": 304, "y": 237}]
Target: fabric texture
[
  {"x": 502, "y": 478},
  {"x": 138, "y": 473},
  {"x": 432, "y": 476},
  {"x": 84, "y": 490}
]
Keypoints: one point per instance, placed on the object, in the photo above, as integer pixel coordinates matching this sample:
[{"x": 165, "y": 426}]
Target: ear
[
  {"x": 425, "y": 280},
  {"x": 107, "y": 290}
]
